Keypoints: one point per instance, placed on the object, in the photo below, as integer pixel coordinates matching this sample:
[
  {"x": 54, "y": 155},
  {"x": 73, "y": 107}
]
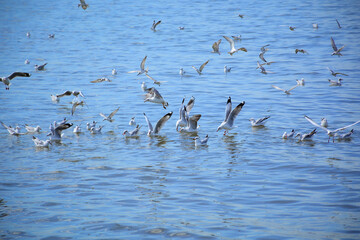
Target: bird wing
[
  {"x": 182, "y": 107},
  {"x": 103, "y": 115},
  {"x": 278, "y": 88},
  {"x": 338, "y": 23},
  {"x": 4, "y": 125},
  {"x": 114, "y": 112},
  {"x": 162, "y": 122},
  {"x": 232, "y": 44},
  {"x": 234, "y": 113},
  {"x": 332, "y": 72},
  {"x": 190, "y": 104},
  {"x": 66, "y": 93},
  {"x": 293, "y": 87},
  {"x": 333, "y": 44},
  {"x": 158, "y": 22},
  {"x": 19, "y": 74},
  {"x": 228, "y": 109},
  {"x": 261, "y": 56},
  {"x": 196, "y": 69},
  {"x": 215, "y": 47},
  {"x": 142, "y": 65},
  {"x": 203, "y": 65},
  {"x": 148, "y": 123},
  {"x": 81, "y": 94},
  {"x": 262, "y": 119},
  {"x": 315, "y": 124},
  {"x": 193, "y": 121},
  {"x": 339, "y": 129},
  {"x": 74, "y": 107}
]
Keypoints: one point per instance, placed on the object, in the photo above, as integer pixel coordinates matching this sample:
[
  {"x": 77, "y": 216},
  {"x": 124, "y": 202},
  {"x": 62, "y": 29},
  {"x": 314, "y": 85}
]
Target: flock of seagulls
[{"x": 185, "y": 123}]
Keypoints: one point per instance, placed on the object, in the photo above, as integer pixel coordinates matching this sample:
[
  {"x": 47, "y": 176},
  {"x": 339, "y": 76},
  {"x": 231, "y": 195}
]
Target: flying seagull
[
  {"x": 199, "y": 71},
  {"x": 109, "y": 118},
  {"x": 232, "y": 46},
  {"x": 6, "y": 80}
]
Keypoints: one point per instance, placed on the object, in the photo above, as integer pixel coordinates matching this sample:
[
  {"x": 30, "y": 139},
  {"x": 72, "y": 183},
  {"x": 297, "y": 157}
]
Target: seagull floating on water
[
  {"x": 27, "y": 61},
  {"x": 40, "y": 67},
  {"x": 306, "y": 136},
  {"x": 315, "y": 25},
  {"x": 259, "y": 122},
  {"x": 91, "y": 125},
  {"x": 133, "y": 133},
  {"x": 132, "y": 121},
  {"x": 28, "y": 34},
  {"x": 51, "y": 35},
  {"x": 232, "y": 46},
  {"x": 56, "y": 130},
  {"x": 226, "y": 69},
  {"x": 103, "y": 79},
  {"x": 300, "y": 82},
  {"x": 56, "y": 98},
  {"x": 330, "y": 133},
  {"x": 288, "y": 135},
  {"x": 199, "y": 71},
  {"x": 230, "y": 116},
  {"x": 77, "y": 129},
  {"x": 6, "y": 80},
  {"x": 113, "y": 72},
  {"x": 11, "y": 130},
  {"x": 142, "y": 67},
  {"x": 336, "y": 50},
  {"x": 201, "y": 142},
  {"x": 287, "y": 92},
  {"x": 159, "y": 124},
  {"x": 345, "y": 136},
  {"x": 32, "y": 129},
  {"x": 95, "y": 130},
  {"x": 182, "y": 72},
  {"x": 109, "y": 118},
  {"x": 335, "y": 83},
  {"x": 324, "y": 122},
  {"x": 192, "y": 125},
  {"x": 184, "y": 112},
  {"x": 41, "y": 143}
]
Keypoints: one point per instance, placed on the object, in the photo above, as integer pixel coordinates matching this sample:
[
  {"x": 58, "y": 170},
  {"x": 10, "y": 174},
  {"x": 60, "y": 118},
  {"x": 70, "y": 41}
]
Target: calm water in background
[{"x": 249, "y": 184}]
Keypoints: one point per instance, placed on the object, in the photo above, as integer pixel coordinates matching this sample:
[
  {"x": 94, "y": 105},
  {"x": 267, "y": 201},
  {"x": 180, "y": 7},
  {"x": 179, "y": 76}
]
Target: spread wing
[
  {"x": 228, "y": 109},
  {"x": 148, "y": 123},
  {"x": 232, "y": 44},
  {"x": 333, "y": 44},
  {"x": 339, "y": 129},
  {"x": 293, "y": 88},
  {"x": 101, "y": 114},
  {"x": 203, "y": 65},
  {"x": 193, "y": 121},
  {"x": 19, "y": 74},
  {"x": 162, "y": 122},
  {"x": 315, "y": 124},
  {"x": 234, "y": 113},
  {"x": 142, "y": 65},
  {"x": 114, "y": 112},
  {"x": 276, "y": 87},
  {"x": 261, "y": 56},
  {"x": 262, "y": 119},
  {"x": 66, "y": 93},
  {"x": 190, "y": 104}
]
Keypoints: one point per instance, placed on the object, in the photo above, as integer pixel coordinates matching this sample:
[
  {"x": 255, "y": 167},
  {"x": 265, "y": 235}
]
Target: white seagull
[
  {"x": 288, "y": 135},
  {"x": 159, "y": 124},
  {"x": 11, "y": 130},
  {"x": 336, "y": 50},
  {"x": 83, "y": 4},
  {"x": 144, "y": 87},
  {"x": 201, "y": 142},
  {"x": 192, "y": 125},
  {"x": 226, "y": 69},
  {"x": 133, "y": 133},
  {"x": 90, "y": 125},
  {"x": 32, "y": 129},
  {"x": 184, "y": 112},
  {"x": 344, "y": 136},
  {"x": 142, "y": 68},
  {"x": 27, "y": 61},
  {"x": 306, "y": 136},
  {"x": 182, "y": 72},
  {"x": 132, "y": 121},
  {"x": 41, "y": 143},
  {"x": 324, "y": 122},
  {"x": 154, "y": 96},
  {"x": 259, "y": 122},
  {"x": 300, "y": 82},
  {"x": 109, "y": 118},
  {"x": 335, "y": 83},
  {"x": 330, "y": 133},
  {"x": 113, "y": 72},
  {"x": 230, "y": 116},
  {"x": 56, "y": 130},
  {"x": 40, "y": 67},
  {"x": 232, "y": 46},
  {"x": 94, "y": 130},
  {"x": 6, "y": 80},
  {"x": 77, "y": 129},
  {"x": 287, "y": 92},
  {"x": 199, "y": 71}
]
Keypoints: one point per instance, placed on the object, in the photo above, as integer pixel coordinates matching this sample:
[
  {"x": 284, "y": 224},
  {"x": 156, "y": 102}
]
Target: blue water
[{"x": 249, "y": 184}]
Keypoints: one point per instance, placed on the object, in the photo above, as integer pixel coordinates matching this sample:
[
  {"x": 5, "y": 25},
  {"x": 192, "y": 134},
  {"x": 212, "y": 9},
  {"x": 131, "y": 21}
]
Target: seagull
[
  {"x": 184, "y": 112},
  {"x": 155, "y": 81},
  {"x": 199, "y": 71},
  {"x": 230, "y": 116},
  {"x": 192, "y": 125},
  {"x": 114, "y": 72},
  {"x": 32, "y": 129},
  {"x": 144, "y": 88},
  {"x": 290, "y": 135},
  {"x": 330, "y": 133},
  {"x": 336, "y": 73},
  {"x": 41, "y": 143},
  {"x": 83, "y": 4},
  {"x": 159, "y": 124},
  {"x": 201, "y": 142},
  {"x": 324, "y": 122},
  {"x": 51, "y": 35},
  {"x": 77, "y": 129},
  {"x": 133, "y": 133},
  {"x": 181, "y": 28},
  {"x": 232, "y": 46},
  {"x": 335, "y": 83},
  {"x": 94, "y": 130},
  {"x": 261, "y": 56},
  {"x": 132, "y": 121},
  {"x": 11, "y": 130},
  {"x": 241, "y": 15},
  {"x": 56, "y": 98},
  {"x": 226, "y": 69},
  {"x": 56, "y": 130},
  {"x": 259, "y": 122},
  {"x": 264, "y": 49},
  {"x": 338, "y": 23},
  {"x": 109, "y": 118},
  {"x": 265, "y": 63},
  {"x": 181, "y": 72},
  {"x": 292, "y": 28},
  {"x": 142, "y": 67},
  {"x": 40, "y": 67},
  {"x": 336, "y": 50},
  {"x": 28, "y": 34},
  {"x": 263, "y": 71},
  {"x": 154, "y": 96},
  {"x": 300, "y": 82},
  {"x": 27, "y": 61},
  {"x": 75, "y": 104},
  {"x": 153, "y": 27},
  {"x": 287, "y": 92},
  {"x": 301, "y": 50},
  {"x": 344, "y": 136},
  {"x": 103, "y": 79},
  {"x": 92, "y": 125},
  {"x": 215, "y": 46},
  {"x": 306, "y": 136},
  {"x": 315, "y": 25},
  {"x": 6, "y": 80}
]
